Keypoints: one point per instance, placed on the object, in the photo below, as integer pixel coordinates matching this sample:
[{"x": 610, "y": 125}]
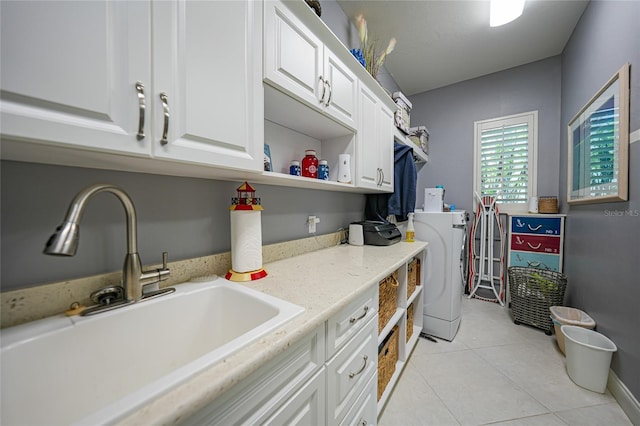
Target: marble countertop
[{"x": 322, "y": 282}]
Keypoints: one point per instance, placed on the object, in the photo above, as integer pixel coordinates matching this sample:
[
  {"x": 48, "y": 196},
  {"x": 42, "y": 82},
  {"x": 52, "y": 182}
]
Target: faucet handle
[{"x": 164, "y": 272}]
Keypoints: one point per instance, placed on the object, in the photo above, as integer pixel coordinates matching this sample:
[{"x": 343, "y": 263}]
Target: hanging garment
[{"x": 403, "y": 199}]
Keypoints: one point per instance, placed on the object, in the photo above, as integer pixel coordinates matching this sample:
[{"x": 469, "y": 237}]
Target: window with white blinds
[{"x": 505, "y": 159}]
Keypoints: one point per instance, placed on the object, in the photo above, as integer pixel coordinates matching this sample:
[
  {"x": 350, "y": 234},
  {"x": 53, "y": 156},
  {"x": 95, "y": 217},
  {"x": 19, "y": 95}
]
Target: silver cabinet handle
[
  {"x": 381, "y": 177},
  {"x": 364, "y": 314},
  {"x": 534, "y": 229},
  {"x": 354, "y": 374},
  {"x": 165, "y": 106},
  {"x": 330, "y": 93},
  {"x": 324, "y": 89},
  {"x": 142, "y": 107},
  {"x": 532, "y": 246}
]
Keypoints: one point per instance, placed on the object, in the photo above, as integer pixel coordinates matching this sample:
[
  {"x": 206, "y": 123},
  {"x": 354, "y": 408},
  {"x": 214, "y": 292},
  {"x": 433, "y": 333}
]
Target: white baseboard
[{"x": 626, "y": 400}]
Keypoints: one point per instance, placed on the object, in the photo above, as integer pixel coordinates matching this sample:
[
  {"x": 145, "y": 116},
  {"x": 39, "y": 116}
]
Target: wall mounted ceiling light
[{"x": 504, "y": 11}]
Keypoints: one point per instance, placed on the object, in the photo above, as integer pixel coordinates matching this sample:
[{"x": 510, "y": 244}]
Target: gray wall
[
  {"x": 340, "y": 24},
  {"x": 449, "y": 114},
  {"x": 185, "y": 216},
  {"x": 602, "y": 259}
]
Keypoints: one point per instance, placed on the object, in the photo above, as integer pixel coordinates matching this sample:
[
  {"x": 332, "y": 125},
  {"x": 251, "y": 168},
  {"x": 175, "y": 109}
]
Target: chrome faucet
[{"x": 64, "y": 242}]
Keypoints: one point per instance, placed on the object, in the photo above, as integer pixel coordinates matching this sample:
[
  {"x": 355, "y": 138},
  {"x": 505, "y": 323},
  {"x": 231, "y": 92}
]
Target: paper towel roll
[{"x": 246, "y": 240}]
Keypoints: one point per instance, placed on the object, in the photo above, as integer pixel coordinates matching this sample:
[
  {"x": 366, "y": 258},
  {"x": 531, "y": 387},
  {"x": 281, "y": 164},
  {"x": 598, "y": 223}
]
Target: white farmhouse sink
[{"x": 97, "y": 369}]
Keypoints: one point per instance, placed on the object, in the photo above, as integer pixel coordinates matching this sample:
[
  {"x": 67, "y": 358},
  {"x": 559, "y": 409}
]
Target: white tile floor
[{"x": 494, "y": 372}]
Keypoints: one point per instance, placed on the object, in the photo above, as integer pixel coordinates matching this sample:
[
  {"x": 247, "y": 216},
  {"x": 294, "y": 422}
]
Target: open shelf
[
  {"x": 399, "y": 318},
  {"x": 418, "y": 155}
]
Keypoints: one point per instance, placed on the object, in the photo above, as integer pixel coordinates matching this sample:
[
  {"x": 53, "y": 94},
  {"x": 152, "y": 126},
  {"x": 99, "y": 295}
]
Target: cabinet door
[
  {"x": 305, "y": 407},
  {"x": 343, "y": 90},
  {"x": 365, "y": 411},
  {"x": 293, "y": 58},
  {"x": 207, "y": 58},
  {"x": 375, "y": 143},
  {"x": 385, "y": 134},
  {"x": 349, "y": 371},
  {"x": 69, "y": 72},
  {"x": 368, "y": 140},
  {"x": 284, "y": 381}
]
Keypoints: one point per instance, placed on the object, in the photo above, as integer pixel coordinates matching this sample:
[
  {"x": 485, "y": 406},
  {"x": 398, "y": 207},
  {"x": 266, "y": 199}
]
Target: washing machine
[{"x": 447, "y": 254}]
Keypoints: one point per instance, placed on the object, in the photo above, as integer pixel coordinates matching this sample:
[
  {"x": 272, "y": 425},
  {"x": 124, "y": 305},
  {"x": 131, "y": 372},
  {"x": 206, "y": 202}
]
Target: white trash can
[
  {"x": 563, "y": 315},
  {"x": 588, "y": 357}
]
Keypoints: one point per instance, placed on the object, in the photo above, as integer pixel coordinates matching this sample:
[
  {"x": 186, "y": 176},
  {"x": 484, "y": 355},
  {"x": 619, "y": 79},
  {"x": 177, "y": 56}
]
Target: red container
[{"x": 310, "y": 164}]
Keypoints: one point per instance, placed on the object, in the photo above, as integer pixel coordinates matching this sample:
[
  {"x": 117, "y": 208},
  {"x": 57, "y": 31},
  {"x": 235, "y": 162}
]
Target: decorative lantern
[{"x": 246, "y": 236}]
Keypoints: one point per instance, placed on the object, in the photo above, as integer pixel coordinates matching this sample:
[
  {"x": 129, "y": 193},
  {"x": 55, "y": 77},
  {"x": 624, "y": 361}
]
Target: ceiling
[{"x": 445, "y": 42}]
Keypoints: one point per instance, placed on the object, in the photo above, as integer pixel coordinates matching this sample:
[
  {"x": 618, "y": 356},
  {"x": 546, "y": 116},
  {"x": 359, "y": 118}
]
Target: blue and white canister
[
  {"x": 294, "y": 168},
  {"x": 323, "y": 170}
]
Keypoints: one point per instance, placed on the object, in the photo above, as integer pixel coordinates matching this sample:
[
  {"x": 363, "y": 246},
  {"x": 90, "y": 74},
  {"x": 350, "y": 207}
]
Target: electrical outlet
[{"x": 312, "y": 220}]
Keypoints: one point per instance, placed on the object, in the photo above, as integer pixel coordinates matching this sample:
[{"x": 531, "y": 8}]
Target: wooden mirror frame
[{"x": 616, "y": 90}]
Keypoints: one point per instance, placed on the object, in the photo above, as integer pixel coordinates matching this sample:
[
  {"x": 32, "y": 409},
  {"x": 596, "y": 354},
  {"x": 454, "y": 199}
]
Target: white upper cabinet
[
  {"x": 386, "y": 148},
  {"x": 343, "y": 89},
  {"x": 69, "y": 73},
  {"x": 207, "y": 73},
  {"x": 298, "y": 62},
  {"x": 178, "y": 80},
  {"x": 374, "y": 143}
]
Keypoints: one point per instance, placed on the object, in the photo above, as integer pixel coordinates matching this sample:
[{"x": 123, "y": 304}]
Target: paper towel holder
[{"x": 248, "y": 205}]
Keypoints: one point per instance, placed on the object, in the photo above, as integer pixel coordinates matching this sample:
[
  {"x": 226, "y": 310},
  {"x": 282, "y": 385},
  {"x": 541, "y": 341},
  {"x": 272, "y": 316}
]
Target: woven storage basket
[
  {"x": 388, "y": 299},
  {"x": 548, "y": 205},
  {"x": 387, "y": 359},
  {"x": 409, "y": 321},
  {"x": 413, "y": 276},
  {"x": 533, "y": 291}
]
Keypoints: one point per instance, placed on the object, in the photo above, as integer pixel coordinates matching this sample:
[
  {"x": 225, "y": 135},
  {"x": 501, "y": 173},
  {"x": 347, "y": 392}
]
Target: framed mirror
[{"x": 598, "y": 141}]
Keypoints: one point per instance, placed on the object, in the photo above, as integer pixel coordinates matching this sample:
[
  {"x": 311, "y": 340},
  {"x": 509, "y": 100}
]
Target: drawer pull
[
  {"x": 534, "y": 229},
  {"x": 536, "y": 247},
  {"x": 362, "y": 422},
  {"x": 324, "y": 89},
  {"x": 165, "y": 107},
  {"x": 354, "y": 374},
  {"x": 534, "y": 264},
  {"x": 142, "y": 106},
  {"x": 330, "y": 94},
  {"x": 364, "y": 314}
]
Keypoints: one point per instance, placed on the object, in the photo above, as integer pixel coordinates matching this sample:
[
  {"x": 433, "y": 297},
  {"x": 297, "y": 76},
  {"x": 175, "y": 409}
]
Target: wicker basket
[
  {"x": 409, "y": 321},
  {"x": 533, "y": 291},
  {"x": 548, "y": 205},
  {"x": 387, "y": 359},
  {"x": 388, "y": 299},
  {"x": 413, "y": 276}
]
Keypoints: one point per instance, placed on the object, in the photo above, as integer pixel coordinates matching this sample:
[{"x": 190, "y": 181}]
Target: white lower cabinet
[
  {"x": 330, "y": 377},
  {"x": 343, "y": 326},
  {"x": 349, "y": 371},
  {"x": 305, "y": 407},
  {"x": 365, "y": 411},
  {"x": 290, "y": 385}
]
